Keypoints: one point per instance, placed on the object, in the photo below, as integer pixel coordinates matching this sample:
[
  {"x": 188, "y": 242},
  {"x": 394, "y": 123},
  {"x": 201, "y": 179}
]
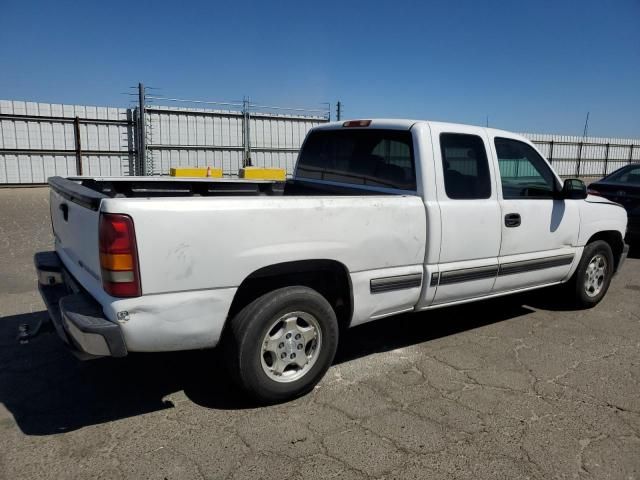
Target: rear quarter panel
[{"x": 189, "y": 244}]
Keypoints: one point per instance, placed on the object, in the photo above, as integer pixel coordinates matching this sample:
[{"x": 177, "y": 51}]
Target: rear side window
[
  {"x": 380, "y": 158},
  {"x": 465, "y": 166}
]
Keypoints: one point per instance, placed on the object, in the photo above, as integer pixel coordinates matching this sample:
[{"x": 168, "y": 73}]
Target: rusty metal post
[
  {"x": 131, "y": 141},
  {"x": 142, "y": 132},
  {"x": 606, "y": 160},
  {"x": 76, "y": 134},
  {"x": 246, "y": 132},
  {"x": 579, "y": 159}
]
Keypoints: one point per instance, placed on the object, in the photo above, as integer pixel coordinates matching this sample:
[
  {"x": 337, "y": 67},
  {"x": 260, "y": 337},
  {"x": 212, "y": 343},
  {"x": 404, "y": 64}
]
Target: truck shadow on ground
[{"x": 48, "y": 391}]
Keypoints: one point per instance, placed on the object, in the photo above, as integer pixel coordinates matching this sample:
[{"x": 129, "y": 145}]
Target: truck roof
[{"x": 406, "y": 124}]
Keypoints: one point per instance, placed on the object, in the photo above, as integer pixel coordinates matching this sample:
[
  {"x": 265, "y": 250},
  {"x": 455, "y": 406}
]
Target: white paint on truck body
[{"x": 195, "y": 252}]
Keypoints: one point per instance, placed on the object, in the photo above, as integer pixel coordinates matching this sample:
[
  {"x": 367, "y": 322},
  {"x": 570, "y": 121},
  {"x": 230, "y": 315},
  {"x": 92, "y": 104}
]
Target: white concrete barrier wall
[
  {"x": 37, "y": 140},
  {"x": 41, "y": 142}
]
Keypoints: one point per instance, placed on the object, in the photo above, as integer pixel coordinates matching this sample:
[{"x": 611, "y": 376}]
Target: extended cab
[{"x": 381, "y": 217}]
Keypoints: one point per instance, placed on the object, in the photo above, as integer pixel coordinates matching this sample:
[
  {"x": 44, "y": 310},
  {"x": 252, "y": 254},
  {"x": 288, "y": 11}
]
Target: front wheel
[
  {"x": 280, "y": 345},
  {"x": 592, "y": 277}
]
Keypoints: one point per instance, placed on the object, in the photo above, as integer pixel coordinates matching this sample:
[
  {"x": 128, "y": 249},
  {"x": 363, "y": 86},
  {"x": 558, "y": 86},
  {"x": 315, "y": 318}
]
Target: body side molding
[
  {"x": 511, "y": 268},
  {"x": 399, "y": 282}
]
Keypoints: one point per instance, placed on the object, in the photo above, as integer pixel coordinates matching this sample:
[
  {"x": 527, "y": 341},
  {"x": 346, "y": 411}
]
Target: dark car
[{"x": 623, "y": 187}]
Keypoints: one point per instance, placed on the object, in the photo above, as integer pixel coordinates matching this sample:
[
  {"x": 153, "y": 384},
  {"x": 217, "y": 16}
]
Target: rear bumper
[{"x": 77, "y": 318}]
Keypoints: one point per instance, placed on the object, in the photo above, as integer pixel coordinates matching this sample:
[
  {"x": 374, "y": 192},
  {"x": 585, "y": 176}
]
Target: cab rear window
[{"x": 379, "y": 158}]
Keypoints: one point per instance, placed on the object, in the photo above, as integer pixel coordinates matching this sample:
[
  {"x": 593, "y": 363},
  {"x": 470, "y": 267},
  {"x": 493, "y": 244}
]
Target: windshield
[
  {"x": 626, "y": 175},
  {"x": 380, "y": 158}
]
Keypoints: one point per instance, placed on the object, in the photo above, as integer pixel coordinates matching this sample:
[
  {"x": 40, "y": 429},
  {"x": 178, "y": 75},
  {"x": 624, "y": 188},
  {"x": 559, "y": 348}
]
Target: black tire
[
  {"x": 583, "y": 297},
  {"x": 247, "y": 331}
]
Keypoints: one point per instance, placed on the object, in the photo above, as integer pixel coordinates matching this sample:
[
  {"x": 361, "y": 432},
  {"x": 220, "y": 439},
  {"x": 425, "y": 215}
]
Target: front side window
[
  {"x": 375, "y": 157},
  {"x": 465, "y": 166},
  {"x": 523, "y": 171}
]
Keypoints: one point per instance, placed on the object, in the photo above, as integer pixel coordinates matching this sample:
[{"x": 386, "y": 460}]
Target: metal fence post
[
  {"x": 551, "y": 151},
  {"x": 131, "y": 141},
  {"x": 142, "y": 132},
  {"x": 76, "y": 134},
  {"x": 246, "y": 132},
  {"x": 631, "y": 153},
  {"x": 136, "y": 136},
  {"x": 579, "y": 159},
  {"x": 606, "y": 160},
  {"x": 339, "y": 110}
]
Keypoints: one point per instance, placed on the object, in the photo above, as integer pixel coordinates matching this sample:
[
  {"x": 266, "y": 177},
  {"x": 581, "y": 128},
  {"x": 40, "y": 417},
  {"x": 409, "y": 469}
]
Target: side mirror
[{"x": 574, "y": 189}]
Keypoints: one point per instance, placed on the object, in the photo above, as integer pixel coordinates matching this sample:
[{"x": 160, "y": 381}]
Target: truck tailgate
[{"x": 75, "y": 229}]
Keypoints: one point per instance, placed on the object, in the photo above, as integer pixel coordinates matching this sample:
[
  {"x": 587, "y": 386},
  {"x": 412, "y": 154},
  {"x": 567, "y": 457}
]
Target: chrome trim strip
[
  {"x": 399, "y": 282},
  {"x": 512, "y": 268}
]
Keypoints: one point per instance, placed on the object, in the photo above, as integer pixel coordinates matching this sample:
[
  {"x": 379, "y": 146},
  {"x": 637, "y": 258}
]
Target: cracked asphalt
[{"x": 520, "y": 387}]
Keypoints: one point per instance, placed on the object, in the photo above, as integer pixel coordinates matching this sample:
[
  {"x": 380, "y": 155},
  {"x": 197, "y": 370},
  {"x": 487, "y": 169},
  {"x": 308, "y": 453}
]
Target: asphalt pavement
[{"x": 519, "y": 387}]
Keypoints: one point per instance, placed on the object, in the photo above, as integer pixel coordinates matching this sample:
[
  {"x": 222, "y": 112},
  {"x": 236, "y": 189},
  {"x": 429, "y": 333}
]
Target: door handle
[
  {"x": 64, "y": 208},
  {"x": 512, "y": 220}
]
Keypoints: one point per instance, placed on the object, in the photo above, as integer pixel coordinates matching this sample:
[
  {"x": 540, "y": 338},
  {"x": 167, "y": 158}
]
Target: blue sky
[{"x": 528, "y": 66}]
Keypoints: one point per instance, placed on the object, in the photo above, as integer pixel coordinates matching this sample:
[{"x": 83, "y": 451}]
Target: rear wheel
[
  {"x": 593, "y": 275},
  {"x": 280, "y": 345}
]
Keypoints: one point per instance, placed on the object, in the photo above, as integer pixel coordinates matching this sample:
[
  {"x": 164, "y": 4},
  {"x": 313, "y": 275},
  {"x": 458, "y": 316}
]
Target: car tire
[
  {"x": 593, "y": 275},
  {"x": 280, "y": 345}
]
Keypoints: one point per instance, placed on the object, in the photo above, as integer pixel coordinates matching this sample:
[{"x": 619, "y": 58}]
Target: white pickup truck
[{"x": 381, "y": 217}]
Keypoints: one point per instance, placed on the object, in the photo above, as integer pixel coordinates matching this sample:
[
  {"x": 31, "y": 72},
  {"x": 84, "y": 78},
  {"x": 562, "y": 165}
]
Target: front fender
[{"x": 601, "y": 217}]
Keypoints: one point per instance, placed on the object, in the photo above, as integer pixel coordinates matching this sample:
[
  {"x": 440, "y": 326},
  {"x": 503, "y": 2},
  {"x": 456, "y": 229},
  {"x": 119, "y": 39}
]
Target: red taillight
[
  {"x": 119, "y": 256},
  {"x": 357, "y": 123},
  {"x": 593, "y": 191}
]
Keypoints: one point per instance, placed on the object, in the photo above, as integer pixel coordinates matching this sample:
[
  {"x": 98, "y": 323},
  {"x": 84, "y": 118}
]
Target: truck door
[
  {"x": 470, "y": 214},
  {"x": 539, "y": 231}
]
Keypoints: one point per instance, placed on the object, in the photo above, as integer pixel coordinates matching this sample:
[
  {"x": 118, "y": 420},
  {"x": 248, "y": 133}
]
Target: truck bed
[{"x": 194, "y": 252}]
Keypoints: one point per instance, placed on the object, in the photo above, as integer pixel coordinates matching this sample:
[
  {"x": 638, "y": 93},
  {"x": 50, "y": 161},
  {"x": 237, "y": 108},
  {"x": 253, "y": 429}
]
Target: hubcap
[
  {"x": 595, "y": 275},
  {"x": 291, "y": 346}
]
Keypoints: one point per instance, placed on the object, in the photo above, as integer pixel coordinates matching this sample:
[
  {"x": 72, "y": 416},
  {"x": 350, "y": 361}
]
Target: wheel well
[
  {"x": 615, "y": 241},
  {"x": 327, "y": 277}
]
